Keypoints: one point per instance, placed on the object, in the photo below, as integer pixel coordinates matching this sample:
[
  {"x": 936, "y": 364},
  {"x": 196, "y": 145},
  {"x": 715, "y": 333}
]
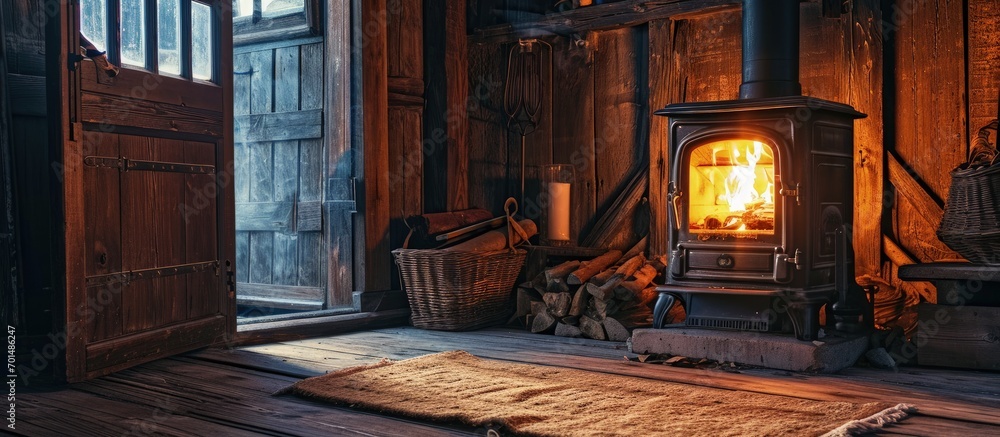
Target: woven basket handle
[
  {"x": 510, "y": 208},
  {"x": 982, "y": 151}
]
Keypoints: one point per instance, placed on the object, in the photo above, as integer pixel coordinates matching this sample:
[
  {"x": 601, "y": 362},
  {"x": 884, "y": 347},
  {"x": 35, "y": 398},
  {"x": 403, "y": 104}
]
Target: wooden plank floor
[{"x": 230, "y": 392}]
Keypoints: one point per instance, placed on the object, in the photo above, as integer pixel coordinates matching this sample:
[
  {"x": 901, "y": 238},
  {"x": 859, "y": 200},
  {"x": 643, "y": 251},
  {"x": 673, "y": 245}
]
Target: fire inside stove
[{"x": 732, "y": 189}]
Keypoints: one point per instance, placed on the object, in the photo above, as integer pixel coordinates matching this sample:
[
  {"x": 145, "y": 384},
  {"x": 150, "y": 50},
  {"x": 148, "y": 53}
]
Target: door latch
[
  {"x": 230, "y": 279},
  {"x": 793, "y": 192}
]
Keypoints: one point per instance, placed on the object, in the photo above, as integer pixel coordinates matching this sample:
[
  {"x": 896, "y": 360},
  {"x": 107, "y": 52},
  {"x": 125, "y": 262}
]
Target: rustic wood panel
[
  {"x": 488, "y": 134},
  {"x": 26, "y": 94},
  {"x": 573, "y": 132},
  {"x": 618, "y": 111},
  {"x": 109, "y": 109},
  {"x": 311, "y": 78},
  {"x": 261, "y": 82},
  {"x": 201, "y": 230},
  {"x": 959, "y": 336},
  {"x": 405, "y": 41},
  {"x": 983, "y": 46},
  {"x": 405, "y": 170},
  {"x": 929, "y": 59},
  {"x": 103, "y": 232},
  {"x": 865, "y": 86},
  {"x": 456, "y": 64},
  {"x": 280, "y": 126}
]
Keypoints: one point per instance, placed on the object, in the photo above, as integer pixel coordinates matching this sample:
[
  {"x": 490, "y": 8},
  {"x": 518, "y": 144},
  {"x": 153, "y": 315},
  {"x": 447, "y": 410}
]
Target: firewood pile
[{"x": 603, "y": 298}]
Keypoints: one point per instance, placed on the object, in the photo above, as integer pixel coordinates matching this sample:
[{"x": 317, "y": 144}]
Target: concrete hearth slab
[{"x": 776, "y": 351}]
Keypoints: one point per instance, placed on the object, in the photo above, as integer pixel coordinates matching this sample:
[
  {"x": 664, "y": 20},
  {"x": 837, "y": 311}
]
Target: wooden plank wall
[
  {"x": 278, "y": 105},
  {"x": 943, "y": 84},
  {"x": 406, "y": 118},
  {"x": 24, "y": 33}
]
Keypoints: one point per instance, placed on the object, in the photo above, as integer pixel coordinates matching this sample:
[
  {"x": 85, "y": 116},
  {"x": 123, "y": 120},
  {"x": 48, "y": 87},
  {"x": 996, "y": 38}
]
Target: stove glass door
[{"x": 731, "y": 190}]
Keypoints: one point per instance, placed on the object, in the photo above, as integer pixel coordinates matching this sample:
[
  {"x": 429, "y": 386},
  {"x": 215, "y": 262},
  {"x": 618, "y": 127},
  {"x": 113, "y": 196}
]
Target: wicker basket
[
  {"x": 456, "y": 291},
  {"x": 971, "y": 221}
]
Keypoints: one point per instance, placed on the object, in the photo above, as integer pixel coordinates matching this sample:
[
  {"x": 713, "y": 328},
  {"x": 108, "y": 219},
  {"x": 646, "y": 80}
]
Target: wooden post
[{"x": 375, "y": 98}]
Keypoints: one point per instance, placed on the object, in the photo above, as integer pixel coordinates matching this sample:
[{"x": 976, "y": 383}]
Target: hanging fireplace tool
[{"x": 522, "y": 97}]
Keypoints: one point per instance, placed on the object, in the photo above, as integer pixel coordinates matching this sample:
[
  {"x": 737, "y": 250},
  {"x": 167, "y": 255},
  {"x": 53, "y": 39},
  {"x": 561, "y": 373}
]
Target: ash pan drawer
[{"x": 730, "y": 261}]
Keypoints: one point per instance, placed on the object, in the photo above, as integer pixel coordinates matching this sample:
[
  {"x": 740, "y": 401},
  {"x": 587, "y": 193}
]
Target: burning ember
[{"x": 732, "y": 188}]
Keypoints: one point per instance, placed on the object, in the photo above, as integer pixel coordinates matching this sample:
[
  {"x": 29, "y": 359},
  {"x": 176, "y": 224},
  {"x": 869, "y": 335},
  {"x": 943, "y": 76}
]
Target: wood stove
[{"x": 761, "y": 196}]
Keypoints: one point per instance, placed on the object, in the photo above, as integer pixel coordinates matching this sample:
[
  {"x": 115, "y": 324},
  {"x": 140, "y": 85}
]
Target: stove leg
[
  {"x": 805, "y": 320},
  {"x": 662, "y": 308}
]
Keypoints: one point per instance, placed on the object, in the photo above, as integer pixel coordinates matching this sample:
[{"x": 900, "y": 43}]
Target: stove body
[
  {"x": 758, "y": 191},
  {"x": 761, "y": 195}
]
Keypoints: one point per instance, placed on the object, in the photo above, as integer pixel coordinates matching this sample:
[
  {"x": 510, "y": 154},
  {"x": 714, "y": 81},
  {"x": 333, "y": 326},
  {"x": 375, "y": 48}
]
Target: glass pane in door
[
  {"x": 133, "y": 32},
  {"x": 169, "y": 42},
  {"x": 93, "y": 22},
  {"x": 201, "y": 40}
]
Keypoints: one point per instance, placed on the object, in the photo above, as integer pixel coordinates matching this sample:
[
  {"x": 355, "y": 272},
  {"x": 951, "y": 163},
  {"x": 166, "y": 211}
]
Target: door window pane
[
  {"x": 201, "y": 39},
  {"x": 133, "y": 32},
  {"x": 93, "y": 22},
  {"x": 281, "y": 7},
  {"x": 169, "y": 17}
]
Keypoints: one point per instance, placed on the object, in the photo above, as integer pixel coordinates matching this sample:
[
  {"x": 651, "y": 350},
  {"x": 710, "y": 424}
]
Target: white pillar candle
[{"x": 558, "y": 211}]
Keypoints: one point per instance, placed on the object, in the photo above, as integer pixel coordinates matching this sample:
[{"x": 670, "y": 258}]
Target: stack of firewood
[{"x": 603, "y": 298}]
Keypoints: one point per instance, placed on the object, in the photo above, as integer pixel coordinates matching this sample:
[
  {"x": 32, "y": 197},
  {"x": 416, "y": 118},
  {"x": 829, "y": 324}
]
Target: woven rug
[{"x": 524, "y": 399}]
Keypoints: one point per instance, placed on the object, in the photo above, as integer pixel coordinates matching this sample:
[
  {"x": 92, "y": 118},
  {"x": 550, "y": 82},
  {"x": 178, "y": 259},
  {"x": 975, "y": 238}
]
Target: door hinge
[
  {"x": 72, "y": 59},
  {"x": 794, "y": 192},
  {"x": 230, "y": 279}
]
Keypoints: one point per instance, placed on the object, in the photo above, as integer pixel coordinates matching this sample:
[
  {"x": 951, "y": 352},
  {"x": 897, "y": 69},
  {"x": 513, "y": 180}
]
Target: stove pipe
[{"x": 770, "y": 49}]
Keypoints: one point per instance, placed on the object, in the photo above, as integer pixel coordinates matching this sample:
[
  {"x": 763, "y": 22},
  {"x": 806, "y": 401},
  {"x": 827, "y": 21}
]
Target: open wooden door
[{"x": 147, "y": 171}]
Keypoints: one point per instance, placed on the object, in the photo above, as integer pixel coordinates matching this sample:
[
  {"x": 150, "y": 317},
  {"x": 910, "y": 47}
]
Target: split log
[
  {"x": 603, "y": 277},
  {"x": 495, "y": 240},
  {"x": 592, "y": 329},
  {"x": 579, "y": 301},
  {"x": 564, "y": 330},
  {"x": 525, "y": 295},
  {"x": 557, "y": 303},
  {"x": 601, "y": 309},
  {"x": 543, "y": 322},
  {"x": 561, "y": 271},
  {"x": 595, "y": 266},
  {"x": 628, "y": 268},
  {"x": 570, "y": 320},
  {"x": 606, "y": 291},
  {"x": 615, "y": 330},
  {"x": 555, "y": 277},
  {"x": 642, "y": 278},
  {"x": 438, "y": 222}
]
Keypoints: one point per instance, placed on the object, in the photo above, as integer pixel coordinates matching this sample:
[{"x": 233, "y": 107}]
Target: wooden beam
[
  {"x": 375, "y": 100},
  {"x": 615, "y": 15},
  {"x": 899, "y": 257},
  {"x": 278, "y": 216},
  {"x": 908, "y": 187},
  {"x": 280, "y": 126},
  {"x": 865, "y": 87}
]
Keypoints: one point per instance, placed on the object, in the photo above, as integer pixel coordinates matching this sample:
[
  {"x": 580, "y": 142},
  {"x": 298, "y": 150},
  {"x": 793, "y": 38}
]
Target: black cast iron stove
[{"x": 761, "y": 196}]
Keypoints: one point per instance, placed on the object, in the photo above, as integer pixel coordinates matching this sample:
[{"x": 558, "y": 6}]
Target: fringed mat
[{"x": 549, "y": 401}]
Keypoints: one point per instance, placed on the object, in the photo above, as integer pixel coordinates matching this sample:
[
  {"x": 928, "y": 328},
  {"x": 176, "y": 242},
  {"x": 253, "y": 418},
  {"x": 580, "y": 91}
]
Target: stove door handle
[{"x": 674, "y": 200}]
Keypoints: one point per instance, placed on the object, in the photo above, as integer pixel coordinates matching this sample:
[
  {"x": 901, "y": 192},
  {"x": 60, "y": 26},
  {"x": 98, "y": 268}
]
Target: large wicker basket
[
  {"x": 971, "y": 221},
  {"x": 456, "y": 291}
]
